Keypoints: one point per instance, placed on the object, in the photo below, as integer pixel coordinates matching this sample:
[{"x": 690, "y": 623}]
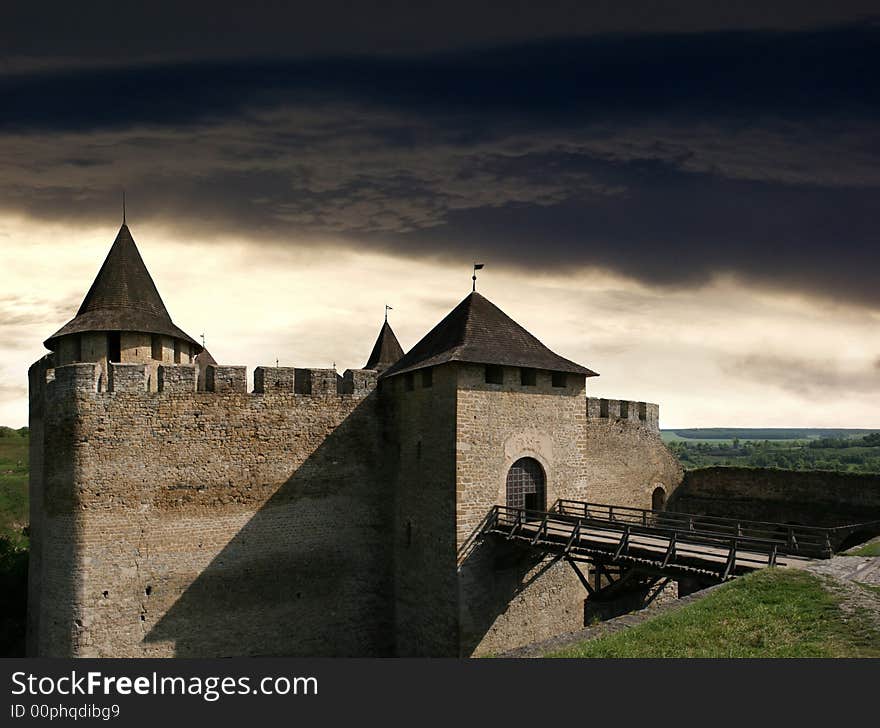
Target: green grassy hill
[
  {"x": 13, "y": 540},
  {"x": 14, "y": 485},
  {"x": 770, "y": 613}
]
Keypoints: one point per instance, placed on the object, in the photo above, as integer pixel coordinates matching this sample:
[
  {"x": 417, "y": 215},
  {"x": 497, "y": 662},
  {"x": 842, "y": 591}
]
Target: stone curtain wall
[
  {"x": 811, "y": 498},
  {"x": 315, "y": 516},
  {"x": 210, "y": 524},
  {"x": 625, "y": 458}
]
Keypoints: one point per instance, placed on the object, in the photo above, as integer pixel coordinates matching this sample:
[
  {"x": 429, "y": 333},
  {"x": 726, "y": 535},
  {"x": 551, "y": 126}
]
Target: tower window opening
[
  {"x": 624, "y": 409},
  {"x": 114, "y": 346},
  {"x": 177, "y": 351},
  {"x": 77, "y": 347},
  {"x": 603, "y": 408},
  {"x": 156, "y": 346},
  {"x": 494, "y": 374},
  {"x": 559, "y": 379},
  {"x": 643, "y": 411},
  {"x": 527, "y": 377}
]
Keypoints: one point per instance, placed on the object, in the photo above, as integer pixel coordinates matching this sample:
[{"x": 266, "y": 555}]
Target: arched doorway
[
  {"x": 526, "y": 485},
  {"x": 658, "y": 499}
]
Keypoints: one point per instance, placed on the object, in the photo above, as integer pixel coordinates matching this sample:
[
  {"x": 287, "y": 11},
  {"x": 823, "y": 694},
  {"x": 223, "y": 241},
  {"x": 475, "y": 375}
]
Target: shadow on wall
[
  {"x": 493, "y": 574},
  {"x": 54, "y": 545},
  {"x": 310, "y": 573},
  {"x": 813, "y": 498}
]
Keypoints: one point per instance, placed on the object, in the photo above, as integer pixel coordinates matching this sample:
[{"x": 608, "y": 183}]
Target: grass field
[
  {"x": 869, "y": 549},
  {"x": 770, "y": 613},
  {"x": 673, "y": 436},
  {"x": 14, "y": 488}
]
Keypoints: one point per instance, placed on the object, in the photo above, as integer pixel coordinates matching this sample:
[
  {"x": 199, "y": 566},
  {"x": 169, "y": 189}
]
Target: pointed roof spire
[
  {"x": 123, "y": 297},
  {"x": 386, "y": 350},
  {"x": 478, "y": 332}
]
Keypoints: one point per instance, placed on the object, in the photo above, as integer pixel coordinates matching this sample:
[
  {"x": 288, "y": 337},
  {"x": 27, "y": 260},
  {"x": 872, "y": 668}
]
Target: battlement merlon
[
  {"x": 645, "y": 414},
  {"x": 133, "y": 379}
]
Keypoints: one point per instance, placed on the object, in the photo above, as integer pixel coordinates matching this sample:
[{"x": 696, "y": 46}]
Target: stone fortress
[{"x": 174, "y": 513}]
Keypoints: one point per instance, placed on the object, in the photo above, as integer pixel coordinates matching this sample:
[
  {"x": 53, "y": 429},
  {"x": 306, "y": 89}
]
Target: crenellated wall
[
  {"x": 135, "y": 347},
  {"x": 625, "y": 458},
  {"x": 317, "y": 515},
  {"x": 190, "y": 523}
]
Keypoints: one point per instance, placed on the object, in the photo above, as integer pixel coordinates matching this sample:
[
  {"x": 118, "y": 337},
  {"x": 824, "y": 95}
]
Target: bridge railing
[
  {"x": 572, "y": 534},
  {"x": 787, "y": 538},
  {"x": 552, "y": 523}
]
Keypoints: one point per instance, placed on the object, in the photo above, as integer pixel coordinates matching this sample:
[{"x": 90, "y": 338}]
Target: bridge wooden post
[
  {"x": 584, "y": 580},
  {"x": 670, "y": 551},
  {"x": 575, "y": 535},
  {"x": 624, "y": 542},
  {"x": 731, "y": 561},
  {"x": 541, "y": 528}
]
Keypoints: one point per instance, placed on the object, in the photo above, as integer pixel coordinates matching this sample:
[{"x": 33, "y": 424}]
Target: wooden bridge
[{"x": 620, "y": 540}]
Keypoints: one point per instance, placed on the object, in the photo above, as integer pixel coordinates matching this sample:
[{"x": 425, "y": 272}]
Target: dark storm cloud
[
  {"x": 669, "y": 158},
  {"x": 54, "y": 33},
  {"x": 734, "y": 76}
]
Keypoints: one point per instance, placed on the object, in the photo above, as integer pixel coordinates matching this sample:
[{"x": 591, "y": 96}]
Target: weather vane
[
  {"x": 203, "y": 341},
  {"x": 387, "y": 309},
  {"x": 123, "y": 207},
  {"x": 477, "y": 266}
]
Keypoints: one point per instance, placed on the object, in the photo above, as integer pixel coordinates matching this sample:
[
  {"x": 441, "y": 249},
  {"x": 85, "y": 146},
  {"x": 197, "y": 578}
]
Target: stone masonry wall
[
  {"x": 315, "y": 516},
  {"x": 508, "y": 596},
  {"x": 811, "y": 498},
  {"x": 210, "y": 524},
  {"x": 624, "y": 457},
  {"x": 422, "y": 449}
]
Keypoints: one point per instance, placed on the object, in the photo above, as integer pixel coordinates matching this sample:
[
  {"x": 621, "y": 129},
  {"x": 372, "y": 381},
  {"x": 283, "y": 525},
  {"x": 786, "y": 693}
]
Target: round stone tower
[{"x": 123, "y": 320}]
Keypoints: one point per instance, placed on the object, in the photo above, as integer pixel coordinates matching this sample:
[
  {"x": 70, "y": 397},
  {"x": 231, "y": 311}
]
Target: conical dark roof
[
  {"x": 202, "y": 362},
  {"x": 478, "y": 332},
  {"x": 204, "y": 359},
  {"x": 122, "y": 298},
  {"x": 386, "y": 351}
]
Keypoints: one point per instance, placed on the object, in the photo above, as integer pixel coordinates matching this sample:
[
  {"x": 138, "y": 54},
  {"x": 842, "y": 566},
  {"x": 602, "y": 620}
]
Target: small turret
[
  {"x": 386, "y": 350},
  {"x": 202, "y": 362},
  {"x": 122, "y": 318}
]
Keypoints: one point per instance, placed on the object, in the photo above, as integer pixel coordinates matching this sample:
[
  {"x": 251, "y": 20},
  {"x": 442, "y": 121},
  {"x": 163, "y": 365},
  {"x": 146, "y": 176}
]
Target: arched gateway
[{"x": 526, "y": 485}]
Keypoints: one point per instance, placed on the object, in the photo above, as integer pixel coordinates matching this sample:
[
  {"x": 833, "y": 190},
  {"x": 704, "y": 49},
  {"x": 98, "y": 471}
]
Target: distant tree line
[
  {"x": 9, "y": 432},
  {"x": 849, "y": 455},
  {"x": 765, "y": 433}
]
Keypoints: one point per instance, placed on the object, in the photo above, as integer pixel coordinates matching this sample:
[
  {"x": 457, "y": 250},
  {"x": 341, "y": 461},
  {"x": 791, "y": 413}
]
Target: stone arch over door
[{"x": 526, "y": 485}]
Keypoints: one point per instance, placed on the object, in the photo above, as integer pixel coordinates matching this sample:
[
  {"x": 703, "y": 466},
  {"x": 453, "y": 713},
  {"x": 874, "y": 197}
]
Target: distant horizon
[{"x": 758, "y": 427}]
